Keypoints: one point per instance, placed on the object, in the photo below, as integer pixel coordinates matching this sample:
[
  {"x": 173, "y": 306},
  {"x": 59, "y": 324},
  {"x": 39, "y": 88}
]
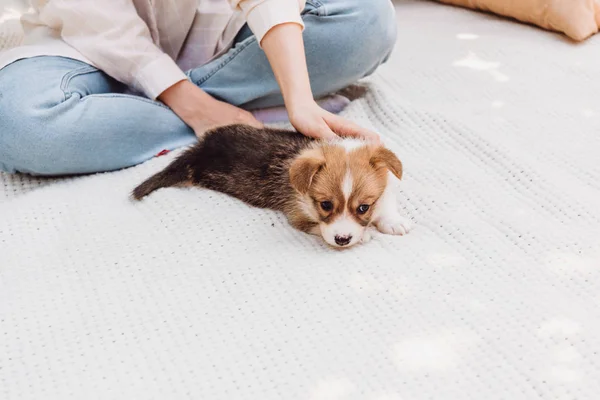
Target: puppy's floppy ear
[
  {"x": 304, "y": 168},
  {"x": 384, "y": 158}
]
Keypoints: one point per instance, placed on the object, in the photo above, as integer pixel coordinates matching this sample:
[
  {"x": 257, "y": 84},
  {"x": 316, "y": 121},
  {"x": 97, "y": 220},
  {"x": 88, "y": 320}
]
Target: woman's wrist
[
  {"x": 200, "y": 111},
  {"x": 184, "y": 98},
  {"x": 298, "y": 101},
  {"x": 298, "y": 107}
]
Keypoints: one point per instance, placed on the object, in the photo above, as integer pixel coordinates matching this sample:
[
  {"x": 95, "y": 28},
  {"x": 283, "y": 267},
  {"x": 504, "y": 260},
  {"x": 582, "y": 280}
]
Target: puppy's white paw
[
  {"x": 394, "y": 225},
  {"x": 367, "y": 236}
]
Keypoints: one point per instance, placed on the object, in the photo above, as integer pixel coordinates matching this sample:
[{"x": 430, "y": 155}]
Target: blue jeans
[{"x": 60, "y": 116}]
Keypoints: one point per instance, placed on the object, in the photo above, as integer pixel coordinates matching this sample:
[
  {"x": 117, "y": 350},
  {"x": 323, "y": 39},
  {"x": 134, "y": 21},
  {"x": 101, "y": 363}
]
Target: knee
[
  {"x": 24, "y": 143},
  {"x": 370, "y": 31},
  {"x": 10, "y": 126}
]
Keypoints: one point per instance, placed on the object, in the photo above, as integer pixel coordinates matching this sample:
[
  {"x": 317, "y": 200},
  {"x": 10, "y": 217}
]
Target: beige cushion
[{"x": 578, "y": 19}]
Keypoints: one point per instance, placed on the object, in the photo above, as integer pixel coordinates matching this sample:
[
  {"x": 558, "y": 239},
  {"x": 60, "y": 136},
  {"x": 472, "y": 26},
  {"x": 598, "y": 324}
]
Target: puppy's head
[{"x": 339, "y": 185}]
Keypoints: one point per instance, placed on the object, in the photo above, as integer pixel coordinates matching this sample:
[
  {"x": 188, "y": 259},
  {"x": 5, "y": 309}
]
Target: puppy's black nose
[{"x": 342, "y": 240}]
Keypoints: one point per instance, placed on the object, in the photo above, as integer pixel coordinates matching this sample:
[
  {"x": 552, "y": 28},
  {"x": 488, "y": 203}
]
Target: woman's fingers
[
  {"x": 343, "y": 127},
  {"x": 313, "y": 125},
  {"x": 324, "y": 132},
  {"x": 311, "y": 120},
  {"x": 318, "y": 129},
  {"x": 246, "y": 117}
]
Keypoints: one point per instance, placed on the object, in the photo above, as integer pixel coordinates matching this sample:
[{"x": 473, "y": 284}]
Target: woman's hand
[
  {"x": 313, "y": 121},
  {"x": 201, "y": 111},
  {"x": 284, "y": 48}
]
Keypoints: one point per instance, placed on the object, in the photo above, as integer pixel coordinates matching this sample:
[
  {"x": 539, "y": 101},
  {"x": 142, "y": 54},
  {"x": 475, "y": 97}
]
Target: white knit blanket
[{"x": 192, "y": 295}]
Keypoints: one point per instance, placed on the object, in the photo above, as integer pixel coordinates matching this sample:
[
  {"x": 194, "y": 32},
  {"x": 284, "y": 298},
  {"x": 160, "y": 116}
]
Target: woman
[{"x": 99, "y": 86}]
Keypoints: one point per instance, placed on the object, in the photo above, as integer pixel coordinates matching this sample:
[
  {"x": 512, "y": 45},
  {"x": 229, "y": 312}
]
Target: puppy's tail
[{"x": 175, "y": 174}]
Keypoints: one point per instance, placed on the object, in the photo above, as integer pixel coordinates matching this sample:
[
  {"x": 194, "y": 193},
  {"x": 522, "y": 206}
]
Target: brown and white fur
[{"x": 336, "y": 189}]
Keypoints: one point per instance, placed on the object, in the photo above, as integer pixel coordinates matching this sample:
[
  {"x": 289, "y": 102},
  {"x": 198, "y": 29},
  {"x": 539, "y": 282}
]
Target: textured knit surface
[
  {"x": 191, "y": 295},
  {"x": 11, "y": 32}
]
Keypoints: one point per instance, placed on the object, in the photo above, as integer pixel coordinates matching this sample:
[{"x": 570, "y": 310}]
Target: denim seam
[
  {"x": 320, "y": 8},
  {"x": 315, "y": 3},
  {"x": 129, "y": 96},
  {"x": 226, "y": 61},
  {"x": 72, "y": 74},
  {"x": 89, "y": 69}
]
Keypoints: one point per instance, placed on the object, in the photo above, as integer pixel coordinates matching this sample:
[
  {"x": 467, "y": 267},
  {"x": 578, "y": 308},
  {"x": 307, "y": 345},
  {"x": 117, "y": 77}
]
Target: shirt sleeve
[
  {"x": 111, "y": 35},
  {"x": 262, "y": 15}
]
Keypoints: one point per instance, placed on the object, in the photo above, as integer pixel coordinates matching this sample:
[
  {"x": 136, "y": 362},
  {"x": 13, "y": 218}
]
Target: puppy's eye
[
  {"x": 327, "y": 206},
  {"x": 363, "y": 208}
]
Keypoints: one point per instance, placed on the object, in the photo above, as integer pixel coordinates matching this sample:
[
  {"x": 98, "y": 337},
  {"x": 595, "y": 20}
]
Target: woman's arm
[
  {"x": 112, "y": 36},
  {"x": 284, "y": 48}
]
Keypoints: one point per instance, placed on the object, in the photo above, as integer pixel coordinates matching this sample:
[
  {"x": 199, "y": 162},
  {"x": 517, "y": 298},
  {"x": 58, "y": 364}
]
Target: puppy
[{"x": 335, "y": 189}]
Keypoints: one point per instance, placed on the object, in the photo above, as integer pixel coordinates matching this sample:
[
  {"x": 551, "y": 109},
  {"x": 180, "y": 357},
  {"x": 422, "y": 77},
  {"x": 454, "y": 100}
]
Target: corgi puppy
[{"x": 335, "y": 189}]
